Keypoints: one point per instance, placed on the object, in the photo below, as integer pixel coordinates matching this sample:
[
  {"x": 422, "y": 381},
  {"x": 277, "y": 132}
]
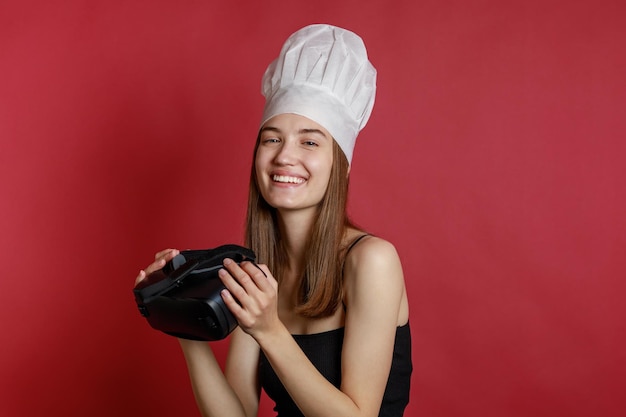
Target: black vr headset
[{"x": 183, "y": 299}]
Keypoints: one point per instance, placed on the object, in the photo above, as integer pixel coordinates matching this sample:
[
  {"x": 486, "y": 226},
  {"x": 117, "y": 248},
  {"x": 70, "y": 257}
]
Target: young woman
[{"x": 323, "y": 328}]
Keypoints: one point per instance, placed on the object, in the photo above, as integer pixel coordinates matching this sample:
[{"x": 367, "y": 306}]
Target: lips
[{"x": 286, "y": 179}]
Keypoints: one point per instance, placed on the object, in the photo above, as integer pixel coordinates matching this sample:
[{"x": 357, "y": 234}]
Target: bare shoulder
[
  {"x": 373, "y": 259},
  {"x": 371, "y": 252}
]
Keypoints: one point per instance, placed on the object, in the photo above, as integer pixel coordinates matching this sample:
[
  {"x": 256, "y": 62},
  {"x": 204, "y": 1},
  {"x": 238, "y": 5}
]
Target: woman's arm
[
  {"x": 242, "y": 365},
  {"x": 376, "y": 304},
  {"x": 234, "y": 394}
]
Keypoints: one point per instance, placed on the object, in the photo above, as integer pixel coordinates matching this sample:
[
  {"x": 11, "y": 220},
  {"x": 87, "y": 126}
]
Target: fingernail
[{"x": 228, "y": 261}]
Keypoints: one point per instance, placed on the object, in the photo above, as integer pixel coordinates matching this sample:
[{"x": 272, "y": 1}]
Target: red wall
[{"x": 494, "y": 160}]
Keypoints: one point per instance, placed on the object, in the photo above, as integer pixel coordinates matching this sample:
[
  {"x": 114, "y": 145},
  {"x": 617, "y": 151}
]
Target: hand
[
  {"x": 160, "y": 259},
  {"x": 251, "y": 295}
]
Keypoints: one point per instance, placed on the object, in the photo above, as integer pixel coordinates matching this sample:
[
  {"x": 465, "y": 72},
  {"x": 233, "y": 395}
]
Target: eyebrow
[
  {"x": 304, "y": 131},
  {"x": 300, "y": 132},
  {"x": 270, "y": 129}
]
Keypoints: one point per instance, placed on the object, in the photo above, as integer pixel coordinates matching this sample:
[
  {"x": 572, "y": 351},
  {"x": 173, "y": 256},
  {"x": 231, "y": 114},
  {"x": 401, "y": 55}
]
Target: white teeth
[{"x": 286, "y": 179}]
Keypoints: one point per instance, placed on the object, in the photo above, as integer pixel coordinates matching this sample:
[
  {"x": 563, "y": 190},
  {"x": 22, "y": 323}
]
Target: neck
[{"x": 295, "y": 229}]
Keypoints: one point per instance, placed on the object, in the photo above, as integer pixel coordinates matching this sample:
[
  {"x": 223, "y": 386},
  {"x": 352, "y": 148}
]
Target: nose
[{"x": 287, "y": 154}]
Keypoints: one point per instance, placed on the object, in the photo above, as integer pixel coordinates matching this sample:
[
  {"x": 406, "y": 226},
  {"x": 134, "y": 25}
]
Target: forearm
[{"x": 214, "y": 395}]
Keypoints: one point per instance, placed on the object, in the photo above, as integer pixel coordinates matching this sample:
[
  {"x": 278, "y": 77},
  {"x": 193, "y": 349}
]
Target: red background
[{"x": 494, "y": 160}]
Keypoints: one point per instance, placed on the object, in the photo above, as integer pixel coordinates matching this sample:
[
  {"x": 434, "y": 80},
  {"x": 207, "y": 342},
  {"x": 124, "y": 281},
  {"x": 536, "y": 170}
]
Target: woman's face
[{"x": 293, "y": 162}]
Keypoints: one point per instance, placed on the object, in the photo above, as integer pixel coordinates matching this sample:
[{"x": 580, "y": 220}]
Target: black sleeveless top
[{"x": 324, "y": 351}]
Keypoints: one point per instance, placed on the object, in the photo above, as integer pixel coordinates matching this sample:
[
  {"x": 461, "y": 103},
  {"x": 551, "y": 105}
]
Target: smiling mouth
[{"x": 287, "y": 180}]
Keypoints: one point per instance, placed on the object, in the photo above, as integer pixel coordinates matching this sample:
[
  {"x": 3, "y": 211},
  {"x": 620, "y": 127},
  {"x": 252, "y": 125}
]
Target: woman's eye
[
  {"x": 310, "y": 143},
  {"x": 270, "y": 140}
]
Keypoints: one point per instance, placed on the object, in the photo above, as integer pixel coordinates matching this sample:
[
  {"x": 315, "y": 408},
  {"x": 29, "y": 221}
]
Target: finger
[
  {"x": 241, "y": 276},
  {"x": 161, "y": 258},
  {"x": 269, "y": 275},
  {"x": 243, "y": 317},
  {"x": 166, "y": 253},
  {"x": 140, "y": 277},
  {"x": 232, "y": 304},
  {"x": 259, "y": 276},
  {"x": 232, "y": 285},
  {"x": 155, "y": 266}
]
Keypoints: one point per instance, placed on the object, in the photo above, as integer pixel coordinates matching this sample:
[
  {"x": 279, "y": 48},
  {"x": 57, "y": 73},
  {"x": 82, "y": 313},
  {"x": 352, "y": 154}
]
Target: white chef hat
[{"x": 323, "y": 73}]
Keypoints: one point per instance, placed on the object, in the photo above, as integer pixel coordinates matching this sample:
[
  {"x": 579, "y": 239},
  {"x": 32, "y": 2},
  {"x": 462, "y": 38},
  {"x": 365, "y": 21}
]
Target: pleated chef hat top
[{"x": 323, "y": 73}]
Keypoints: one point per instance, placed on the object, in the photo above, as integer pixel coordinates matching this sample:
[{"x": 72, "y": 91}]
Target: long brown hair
[{"x": 321, "y": 286}]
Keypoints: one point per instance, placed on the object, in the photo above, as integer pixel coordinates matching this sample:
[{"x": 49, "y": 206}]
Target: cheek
[
  {"x": 323, "y": 169},
  {"x": 327, "y": 165}
]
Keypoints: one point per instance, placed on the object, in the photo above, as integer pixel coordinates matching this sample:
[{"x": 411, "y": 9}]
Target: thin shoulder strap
[
  {"x": 353, "y": 244},
  {"x": 355, "y": 241}
]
